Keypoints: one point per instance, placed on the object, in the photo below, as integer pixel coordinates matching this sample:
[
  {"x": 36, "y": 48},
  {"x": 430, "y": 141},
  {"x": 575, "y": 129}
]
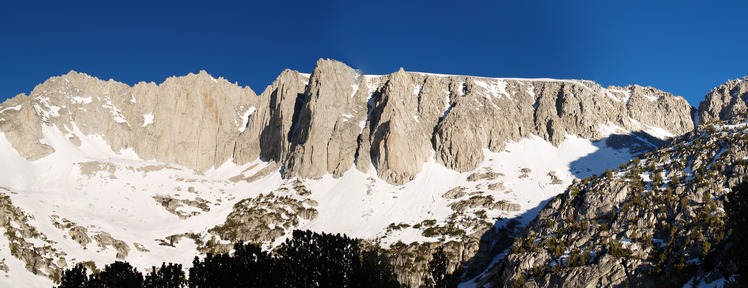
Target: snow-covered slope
[{"x": 113, "y": 193}]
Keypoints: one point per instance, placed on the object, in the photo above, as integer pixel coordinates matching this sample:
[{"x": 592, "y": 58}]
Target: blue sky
[{"x": 685, "y": 47}]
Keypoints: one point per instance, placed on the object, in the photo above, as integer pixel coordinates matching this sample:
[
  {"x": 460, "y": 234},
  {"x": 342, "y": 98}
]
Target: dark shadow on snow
[
  {"x": 611, "y": 152},
  {"x": 614, "y": 150}
]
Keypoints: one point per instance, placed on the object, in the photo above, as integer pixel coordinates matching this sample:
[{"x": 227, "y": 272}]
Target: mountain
[
  {"x": 96, "y": 170},
  {"x": 663, "y": 219}
]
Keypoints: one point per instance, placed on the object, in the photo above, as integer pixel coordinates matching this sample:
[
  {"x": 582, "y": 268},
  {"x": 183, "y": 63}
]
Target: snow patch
[
  {"x": 494, "y": 87},
  {"x": 81, "y": 100},
  {"x": 354, "y": 88},
  {"x": 626, "y": 94},
  {"x": 610, "y": 128},
  {"x": 116, "y": 114},
  {"x": 245, "y": 118},
  {"x": 50, "y": 111},
  {"x": 651, "y": 98},
  {"x": 531, "y": 91},
  {"x": 659, "y": 133},
  {"x": 147, "y": 119},
  {"x": 16, "y": 108}
]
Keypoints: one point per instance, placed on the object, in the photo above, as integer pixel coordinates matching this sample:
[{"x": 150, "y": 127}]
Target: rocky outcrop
[
  {"x": 331, "y": 120},
  {"x": 725, "y": 101},
  {"x": 105, "y": 240},
  {"x": 80, "y": 234},
  {"x": 326, "y": 130},
  {"x": 656, "y": 221},
  {"x": 27, "y": 243},
  {"x": 175, "y": 206},
  {"x": 264, "y": 218}
]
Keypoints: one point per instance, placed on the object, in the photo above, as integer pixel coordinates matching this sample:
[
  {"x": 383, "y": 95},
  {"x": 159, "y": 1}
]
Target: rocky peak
[
  {"x": 324, "y": 138},
  {"x": 725, "y": 101},
  {"x": 185, "y": 120}
]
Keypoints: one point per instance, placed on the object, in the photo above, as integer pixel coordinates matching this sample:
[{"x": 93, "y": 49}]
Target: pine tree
[
  {"x": 376, "y": 271},
  {"x": 76, "y": 277},
  {"x": 438, "y": 269},
  {"x": 319, "y": 260},
  {"x": 117, "y": 274},
  {"x": 168, "y": 276},
  {"x": 736, "y": 208},
  {"x": 254, "y": 267}
]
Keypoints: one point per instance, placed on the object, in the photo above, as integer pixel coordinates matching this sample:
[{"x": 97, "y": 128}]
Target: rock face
[
  {"x": 656, "y": 221},
  {"x": 191, "y": 120},
  {"x": 725, "y": 101},
  {"x": 331, "y": 120},
  {"x": 324, "y": 137}
]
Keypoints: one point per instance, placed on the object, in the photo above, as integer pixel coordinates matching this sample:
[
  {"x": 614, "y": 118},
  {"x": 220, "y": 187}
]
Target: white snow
[
  {"x": 245, "y": 118},
  {"x": 368, "y": 215},
  {"x": 354, "y": 88},
  {"x": 718, "y": 283},
  {"x": 17, "y": 108},
  {"x": 626, "y": 94},
  {"x": 416, "y": 89},
  {"x": 494, "y": 87},
  {"x": 46, "y": 110},
  {"x": 147, "y": 119},
  {"x": 118, "y": 199},
  {"x": 82, "y": 100},
  {"x": 119, "y": 203},
  {"x": 659, "y": 132},
  {"x": 116, "y": 114},
  {"x": 372, "y": 83},
  {"x": 611, "y": 128},
  {"x": 502, "y": 78},
  {"x": 651, "y": 98},
  {"x": 531, "y": 91},
  {"x": 447, "y": 105}
]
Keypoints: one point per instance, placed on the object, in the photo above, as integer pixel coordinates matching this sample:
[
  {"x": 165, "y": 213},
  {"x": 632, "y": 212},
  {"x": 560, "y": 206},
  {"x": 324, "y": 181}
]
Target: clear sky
[{"x": 685, "y": 47}]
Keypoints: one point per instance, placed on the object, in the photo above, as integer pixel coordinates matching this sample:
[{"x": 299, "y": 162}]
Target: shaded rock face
[
  {"x": 331, "y": 120},
  {"x": 725, "y": 101}
]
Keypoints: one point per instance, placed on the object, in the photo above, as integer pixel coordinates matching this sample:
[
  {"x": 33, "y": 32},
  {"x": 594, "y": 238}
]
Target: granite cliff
[{"x": 335, "y": 118}]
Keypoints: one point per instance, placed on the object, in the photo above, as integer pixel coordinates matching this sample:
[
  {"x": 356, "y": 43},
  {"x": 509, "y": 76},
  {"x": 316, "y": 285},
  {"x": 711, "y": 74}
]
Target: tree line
[{"x": 308, "y": 259}]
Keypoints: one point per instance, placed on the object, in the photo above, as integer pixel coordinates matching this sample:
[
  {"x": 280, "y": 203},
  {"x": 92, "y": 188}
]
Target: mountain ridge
[
  {"x": 407, "y": 160},
  {"x": 551, "y": 117}
]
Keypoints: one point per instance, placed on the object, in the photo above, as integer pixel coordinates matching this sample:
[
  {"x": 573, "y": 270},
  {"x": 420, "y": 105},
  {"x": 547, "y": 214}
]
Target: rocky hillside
[
  {"x": 95, "y": 170},
  {"x": 658, "y": 220}
]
